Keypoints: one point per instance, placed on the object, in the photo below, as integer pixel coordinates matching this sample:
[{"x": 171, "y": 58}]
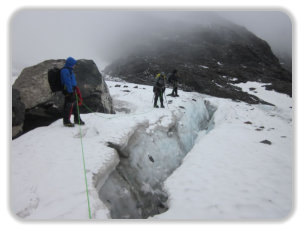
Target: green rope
[{"x": 83, "y": 160}]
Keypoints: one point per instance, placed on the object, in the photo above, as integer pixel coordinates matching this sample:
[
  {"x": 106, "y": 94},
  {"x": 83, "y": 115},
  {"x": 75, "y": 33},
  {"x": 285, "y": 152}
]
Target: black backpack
[
  {"x": 55, "y": 79},
  {"x": 169, "y": 77}
]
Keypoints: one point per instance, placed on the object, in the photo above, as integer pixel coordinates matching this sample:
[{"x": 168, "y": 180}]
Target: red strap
[{"x": 79, "y": 96}]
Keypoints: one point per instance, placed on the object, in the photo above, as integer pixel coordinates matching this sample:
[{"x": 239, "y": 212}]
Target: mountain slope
[{"x": 209, "y": 56}]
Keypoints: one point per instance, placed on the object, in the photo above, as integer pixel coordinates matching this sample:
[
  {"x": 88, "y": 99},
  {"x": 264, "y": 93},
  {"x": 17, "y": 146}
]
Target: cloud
[
  {"x": 103, "y": 35},
  {"x": 273, "y": 26}
]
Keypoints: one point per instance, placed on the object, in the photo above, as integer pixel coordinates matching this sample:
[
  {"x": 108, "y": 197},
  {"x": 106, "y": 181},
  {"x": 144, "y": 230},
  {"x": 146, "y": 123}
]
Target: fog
[
  {"x": 37, "y": 35},
  {"x": 273, "y": 26}
]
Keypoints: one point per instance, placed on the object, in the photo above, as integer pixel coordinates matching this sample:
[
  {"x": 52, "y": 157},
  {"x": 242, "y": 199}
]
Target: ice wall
[{"x": 151, "y": 154}]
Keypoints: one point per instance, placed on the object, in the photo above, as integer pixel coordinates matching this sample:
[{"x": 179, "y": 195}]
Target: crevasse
[{"x": 135, "y": 188}]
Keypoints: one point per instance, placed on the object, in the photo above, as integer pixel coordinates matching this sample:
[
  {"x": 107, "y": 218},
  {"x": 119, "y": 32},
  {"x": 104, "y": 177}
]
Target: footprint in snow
[{"x": 83, "y": 133}]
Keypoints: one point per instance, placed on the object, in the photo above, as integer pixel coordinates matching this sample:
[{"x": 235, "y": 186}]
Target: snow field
[{"x": 227, "y": 174}]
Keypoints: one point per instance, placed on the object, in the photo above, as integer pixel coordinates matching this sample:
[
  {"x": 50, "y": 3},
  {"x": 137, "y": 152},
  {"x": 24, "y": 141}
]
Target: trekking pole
[{"x": 166, "y": 100}]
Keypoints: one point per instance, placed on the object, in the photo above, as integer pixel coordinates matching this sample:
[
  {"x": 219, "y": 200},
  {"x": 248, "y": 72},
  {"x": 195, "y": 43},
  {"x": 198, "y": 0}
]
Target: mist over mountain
[
  {"x": 211, "y": 54},
  {"x": 211, "y": 49},
  {"x": 106, "y": 35},
  {"x": 275, "y": 27}
]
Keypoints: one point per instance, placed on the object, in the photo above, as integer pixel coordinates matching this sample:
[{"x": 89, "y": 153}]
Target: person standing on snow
[
  {"x": 173, "y": 76},
  {"x": 159, "y": 89},
  {"x": 69, "y": 82}
]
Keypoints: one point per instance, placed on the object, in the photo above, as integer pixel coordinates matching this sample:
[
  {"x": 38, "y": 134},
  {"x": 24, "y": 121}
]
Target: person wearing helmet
[
  {"x": 159, "y": 89},
  {"x": 69, "y": 83}
]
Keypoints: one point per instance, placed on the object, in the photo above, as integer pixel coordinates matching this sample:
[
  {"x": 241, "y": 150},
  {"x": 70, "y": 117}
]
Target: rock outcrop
[{"x": 41, "y": 106}]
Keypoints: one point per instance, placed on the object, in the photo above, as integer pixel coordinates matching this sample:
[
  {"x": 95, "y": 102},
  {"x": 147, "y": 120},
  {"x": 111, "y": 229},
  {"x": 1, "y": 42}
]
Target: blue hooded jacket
[{"x": 67, "y": 76}]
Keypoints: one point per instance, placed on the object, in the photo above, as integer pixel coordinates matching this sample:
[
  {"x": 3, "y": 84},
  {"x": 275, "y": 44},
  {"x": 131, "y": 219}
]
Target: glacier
[{"x": 195, "y": 159}]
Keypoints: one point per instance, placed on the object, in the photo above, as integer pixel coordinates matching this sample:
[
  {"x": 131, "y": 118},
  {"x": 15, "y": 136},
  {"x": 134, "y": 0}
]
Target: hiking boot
[
  {"x": 80, "y": 122},
  {"x": 156, "y": 106},
  {"x": 162, "y": 106},
  {"x": 68, "y": 124}
]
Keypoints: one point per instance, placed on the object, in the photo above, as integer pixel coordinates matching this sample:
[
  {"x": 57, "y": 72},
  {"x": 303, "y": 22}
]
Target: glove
[{"x": 79, "y": 96}]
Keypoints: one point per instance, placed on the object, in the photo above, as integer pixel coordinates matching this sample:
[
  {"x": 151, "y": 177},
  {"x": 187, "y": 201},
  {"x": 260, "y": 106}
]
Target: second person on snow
[{"x": 173, "y": 79}]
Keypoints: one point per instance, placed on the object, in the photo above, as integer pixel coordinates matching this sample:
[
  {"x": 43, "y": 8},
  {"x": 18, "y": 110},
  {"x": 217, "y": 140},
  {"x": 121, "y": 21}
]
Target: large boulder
[{"x": 42, "y": 106}]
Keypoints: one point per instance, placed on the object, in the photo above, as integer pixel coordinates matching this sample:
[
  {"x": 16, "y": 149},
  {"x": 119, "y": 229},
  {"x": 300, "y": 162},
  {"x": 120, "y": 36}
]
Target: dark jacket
[
  {"x": 67, "y": 75},
  {"x": 172, "y": 78},
  {"x": 160, "y": 81}
]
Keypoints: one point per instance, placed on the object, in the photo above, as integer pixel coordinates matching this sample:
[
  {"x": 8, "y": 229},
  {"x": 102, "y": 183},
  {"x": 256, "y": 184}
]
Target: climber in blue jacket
[{"x": 68, "y": 80}]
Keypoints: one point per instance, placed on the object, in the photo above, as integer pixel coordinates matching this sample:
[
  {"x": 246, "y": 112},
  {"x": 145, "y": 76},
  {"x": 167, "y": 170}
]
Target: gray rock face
[{"x": 42, "y": 106}]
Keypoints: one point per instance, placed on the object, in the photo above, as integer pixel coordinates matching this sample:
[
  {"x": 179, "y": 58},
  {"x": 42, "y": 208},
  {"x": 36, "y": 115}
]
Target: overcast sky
[
  {"x": 37, "y": 35},
  {"x": 273, "y": 26}
]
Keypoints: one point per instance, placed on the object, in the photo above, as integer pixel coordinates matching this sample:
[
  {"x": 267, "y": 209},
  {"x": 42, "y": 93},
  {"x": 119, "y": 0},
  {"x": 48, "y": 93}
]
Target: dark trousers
[
  {"x": 69, "y": 108},
  {"x": 174, "y": 86},
  {"x": 158, "y": 94},
  {"x": 174, "y": 91}
]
